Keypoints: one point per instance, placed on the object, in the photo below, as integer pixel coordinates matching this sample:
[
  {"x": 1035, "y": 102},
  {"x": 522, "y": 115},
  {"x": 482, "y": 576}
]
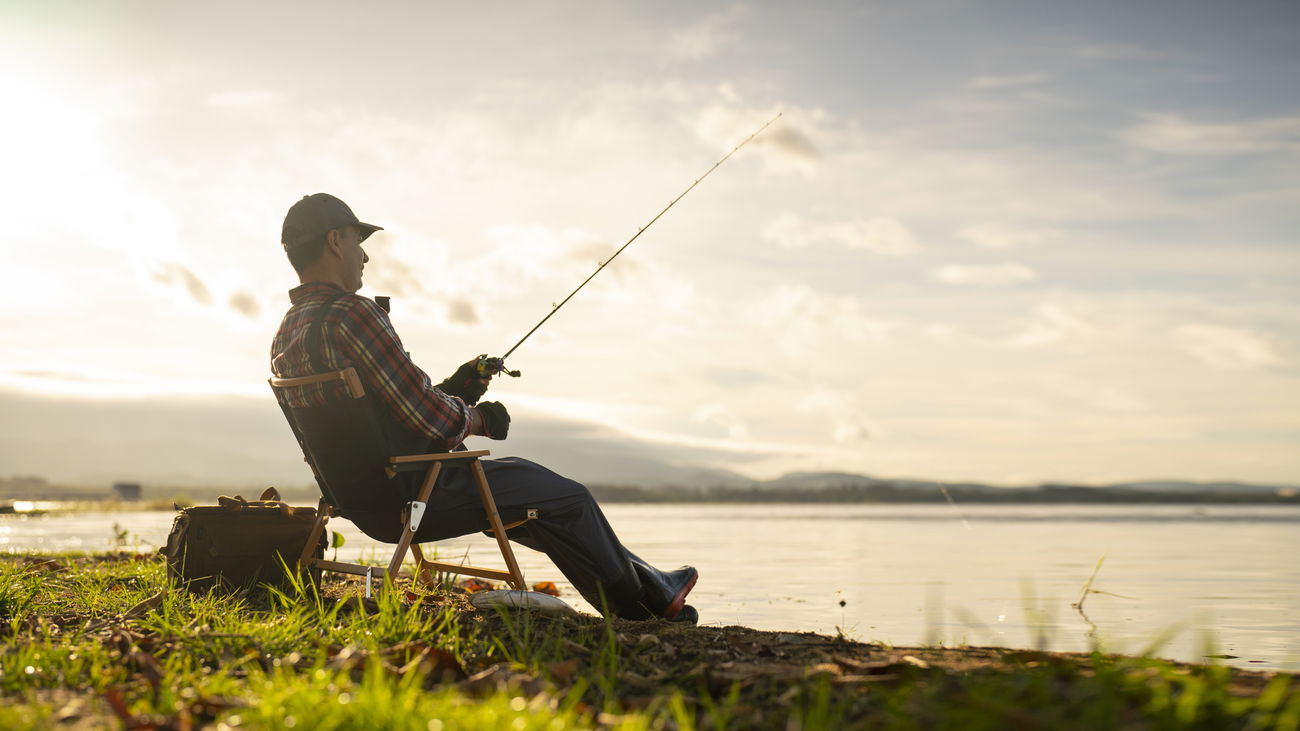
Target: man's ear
[{"x": 334, "y": 240}]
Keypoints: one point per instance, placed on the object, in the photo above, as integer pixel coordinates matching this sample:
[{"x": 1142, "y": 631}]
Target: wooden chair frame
[{"x": 414, "y": 511}]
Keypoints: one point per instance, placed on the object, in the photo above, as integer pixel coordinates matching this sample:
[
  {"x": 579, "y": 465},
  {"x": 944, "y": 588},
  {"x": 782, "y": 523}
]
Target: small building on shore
[{"x": 129, "y": 491}]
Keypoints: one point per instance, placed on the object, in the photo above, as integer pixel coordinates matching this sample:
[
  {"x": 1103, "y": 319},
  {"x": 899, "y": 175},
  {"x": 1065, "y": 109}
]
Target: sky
[{"x": 1007, "y": 241}]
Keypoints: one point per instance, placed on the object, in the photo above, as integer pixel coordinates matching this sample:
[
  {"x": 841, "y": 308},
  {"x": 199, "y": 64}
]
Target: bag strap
[
  {"x": 270, "y": 499},
  {"x": 315, "y": 343}
]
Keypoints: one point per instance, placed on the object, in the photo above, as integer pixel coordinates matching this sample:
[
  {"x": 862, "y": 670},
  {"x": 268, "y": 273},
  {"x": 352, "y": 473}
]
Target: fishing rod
[{"x": 488, "y": 367}]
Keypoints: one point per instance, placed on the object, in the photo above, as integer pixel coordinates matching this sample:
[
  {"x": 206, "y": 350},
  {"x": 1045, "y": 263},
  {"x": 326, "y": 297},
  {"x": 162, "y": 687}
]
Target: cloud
[
  {"x": 802, "y": 318},
  {"x": 790, "y": 141},
  {"x": 1002, "y": 82},
  {"x": 1113, "y": 52},
  {"x": 244, "y": 98},
  {"x": 539, "y": 253},
  {"x": 1000, "y": 236},
  {"x": 722, "y": 416},
  {"x": 173, "y": 273},
  {"x": 91, "y": 381},
  {"x": 878, "y": 235},
  {"x": 1175, "y": 135},
  {"x": 594, "y": 253},
  {"x": 1051, "y": 325},
  {"x": 787, "y": 145},
  {"x": 394, "y": 277},
  {"x": 462, "y": 312},
  {"x": 845, "y": 423},
  {"x": 64, "y": 376},
  {"x": 1098, "y": 396},
  {"x": 245, "y": 304},
  {"x": 987, "y": 276},
  {"x": 1226, "y": 348},
  {"x": 708, "y": 37}
]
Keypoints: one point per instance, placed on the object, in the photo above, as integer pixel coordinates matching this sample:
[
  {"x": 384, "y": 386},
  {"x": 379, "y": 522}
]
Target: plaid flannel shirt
[{"x": 358, "y": 333}]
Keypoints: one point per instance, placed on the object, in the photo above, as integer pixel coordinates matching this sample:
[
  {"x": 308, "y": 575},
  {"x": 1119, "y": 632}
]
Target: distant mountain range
[
  {"x": 830, "y": 480},
  {"x": 841, "y": 487}
]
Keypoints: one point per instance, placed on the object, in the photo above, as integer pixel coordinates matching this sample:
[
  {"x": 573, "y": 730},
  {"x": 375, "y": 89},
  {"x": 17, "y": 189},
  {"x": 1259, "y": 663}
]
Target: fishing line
[{"x": 943, "y": 488}]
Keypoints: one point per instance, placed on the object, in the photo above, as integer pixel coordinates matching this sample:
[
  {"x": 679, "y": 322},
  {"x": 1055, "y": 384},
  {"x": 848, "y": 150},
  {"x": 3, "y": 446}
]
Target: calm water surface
[{"x": 1181, "y": 581}]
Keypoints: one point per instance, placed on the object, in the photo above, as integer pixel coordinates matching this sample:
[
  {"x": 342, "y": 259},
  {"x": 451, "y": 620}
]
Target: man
[{"x": 329, "y": 327}]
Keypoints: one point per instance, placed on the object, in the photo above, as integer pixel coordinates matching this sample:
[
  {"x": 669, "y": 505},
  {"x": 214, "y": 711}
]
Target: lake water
[{"x": 1189, "y": 581}]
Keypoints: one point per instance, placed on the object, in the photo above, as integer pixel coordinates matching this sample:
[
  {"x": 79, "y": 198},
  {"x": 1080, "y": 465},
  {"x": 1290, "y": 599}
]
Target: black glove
[
  {"x": 496, "y": 420},
  {"x": 466, "y": 383}
]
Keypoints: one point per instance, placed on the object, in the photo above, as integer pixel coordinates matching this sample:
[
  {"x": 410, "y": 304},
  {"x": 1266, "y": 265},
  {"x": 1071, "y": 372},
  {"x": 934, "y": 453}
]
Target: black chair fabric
[{"x": 349, "y": 445}]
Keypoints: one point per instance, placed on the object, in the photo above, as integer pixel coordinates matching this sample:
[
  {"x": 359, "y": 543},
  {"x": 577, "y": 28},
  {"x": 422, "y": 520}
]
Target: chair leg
[
  {"x": 404, "y": 543},
  {"x": 494, "y": 519},
  {"x": 309, "y": 550},
  {"x": 422, "y": 571}
]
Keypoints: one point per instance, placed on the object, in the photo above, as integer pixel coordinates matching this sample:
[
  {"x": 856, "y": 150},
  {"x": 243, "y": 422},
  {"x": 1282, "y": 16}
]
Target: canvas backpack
[{"x": 238, "y": 544}]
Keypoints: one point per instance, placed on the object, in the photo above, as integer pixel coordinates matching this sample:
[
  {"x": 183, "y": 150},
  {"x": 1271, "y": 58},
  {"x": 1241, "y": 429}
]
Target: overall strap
[{"x": 315, "y": 343}]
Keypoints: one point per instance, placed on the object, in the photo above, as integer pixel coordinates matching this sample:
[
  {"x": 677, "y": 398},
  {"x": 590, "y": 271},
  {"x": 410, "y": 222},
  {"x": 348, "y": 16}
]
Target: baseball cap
[{"x": 311, "y": 217}]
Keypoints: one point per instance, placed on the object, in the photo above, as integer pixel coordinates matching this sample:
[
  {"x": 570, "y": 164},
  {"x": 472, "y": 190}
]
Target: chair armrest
[{"x": 437, "y": 457}]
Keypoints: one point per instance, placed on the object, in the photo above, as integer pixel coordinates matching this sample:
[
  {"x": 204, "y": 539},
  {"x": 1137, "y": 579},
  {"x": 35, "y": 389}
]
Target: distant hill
[
  {"x": 844, "y": 487},
  {"x": 825, "y": 480},
  {"x": 1184, "y": 486}
]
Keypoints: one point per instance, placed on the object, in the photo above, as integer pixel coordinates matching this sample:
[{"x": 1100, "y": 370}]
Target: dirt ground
[{"x": 658, "y": 653}]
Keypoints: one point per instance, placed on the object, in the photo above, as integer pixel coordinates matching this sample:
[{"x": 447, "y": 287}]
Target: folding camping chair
[{"x": 347, "y": 446}]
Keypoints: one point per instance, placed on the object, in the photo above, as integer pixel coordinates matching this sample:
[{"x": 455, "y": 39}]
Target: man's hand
[
  {"x": 495, "y": 418},
  {"x": 466, "y": 383}
]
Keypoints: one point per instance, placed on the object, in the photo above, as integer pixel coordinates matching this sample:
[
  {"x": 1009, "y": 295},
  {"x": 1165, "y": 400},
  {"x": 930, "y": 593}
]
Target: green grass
[{"x": 103, "y": 641}]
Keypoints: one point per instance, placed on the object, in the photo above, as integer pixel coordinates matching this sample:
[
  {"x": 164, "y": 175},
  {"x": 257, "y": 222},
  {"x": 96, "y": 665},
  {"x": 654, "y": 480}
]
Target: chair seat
[{"x": 350, "y": 450}]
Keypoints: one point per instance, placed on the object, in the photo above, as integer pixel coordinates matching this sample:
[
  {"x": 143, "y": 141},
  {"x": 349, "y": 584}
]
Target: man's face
[{"x": 354, "y": 257}]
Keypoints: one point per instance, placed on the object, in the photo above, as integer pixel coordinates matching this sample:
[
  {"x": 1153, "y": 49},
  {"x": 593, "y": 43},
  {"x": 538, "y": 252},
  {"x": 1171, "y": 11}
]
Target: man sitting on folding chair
[{"x": 330, "y": 327}]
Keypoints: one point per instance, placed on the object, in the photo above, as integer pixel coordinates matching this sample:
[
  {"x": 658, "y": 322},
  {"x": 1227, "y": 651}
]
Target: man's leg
[{"x": 570, "y": 528}]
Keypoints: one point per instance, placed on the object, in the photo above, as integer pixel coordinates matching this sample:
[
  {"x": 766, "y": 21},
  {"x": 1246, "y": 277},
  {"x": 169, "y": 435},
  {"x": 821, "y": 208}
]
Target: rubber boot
[
  {"x": 623, "y": 598},
  {"x": 663, "y": 593}
]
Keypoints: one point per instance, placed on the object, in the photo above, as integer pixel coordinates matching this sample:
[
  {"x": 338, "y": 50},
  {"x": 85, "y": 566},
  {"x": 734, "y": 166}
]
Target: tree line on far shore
[{"x": 886, "y": 493}]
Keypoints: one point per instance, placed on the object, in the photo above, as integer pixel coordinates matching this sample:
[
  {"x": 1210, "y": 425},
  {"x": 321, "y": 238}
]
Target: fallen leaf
[
  {"x": 438, "y": 664},
  {"x": 44, "y": 564},
  {"x": 149, "y": 667},
  {"x": 575, "y": 647},
  {"x": 562, "y": 671},
  {"x": 636, "y": 680},
  {"x": 824, "y": 668},
  {"x": 500, "y": 677},
  {"x": 144, "y": 607},
  {"x": 118, "y": 705},
  {"x": 476, "y": 585},
  {"x": 547, "y": 587}
]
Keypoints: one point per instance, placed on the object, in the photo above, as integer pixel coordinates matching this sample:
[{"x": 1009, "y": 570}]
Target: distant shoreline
[
  {"x": 158, "y": 500},
  {"x": 885, "y": 495},
  {"x": 797, "y": 487}
]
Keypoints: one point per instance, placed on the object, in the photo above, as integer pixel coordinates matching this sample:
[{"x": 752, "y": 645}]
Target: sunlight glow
[{"x": 49, "y": 142}]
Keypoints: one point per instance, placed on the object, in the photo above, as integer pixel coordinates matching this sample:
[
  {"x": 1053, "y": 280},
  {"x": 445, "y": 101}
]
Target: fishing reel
[{"x": 488, "y": 367}]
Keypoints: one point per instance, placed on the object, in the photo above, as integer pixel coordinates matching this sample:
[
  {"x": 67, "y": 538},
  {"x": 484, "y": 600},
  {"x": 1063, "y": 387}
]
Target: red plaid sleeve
[
  {"x": 367, "y": 339},
  {"x": 357, "y": 332}
]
